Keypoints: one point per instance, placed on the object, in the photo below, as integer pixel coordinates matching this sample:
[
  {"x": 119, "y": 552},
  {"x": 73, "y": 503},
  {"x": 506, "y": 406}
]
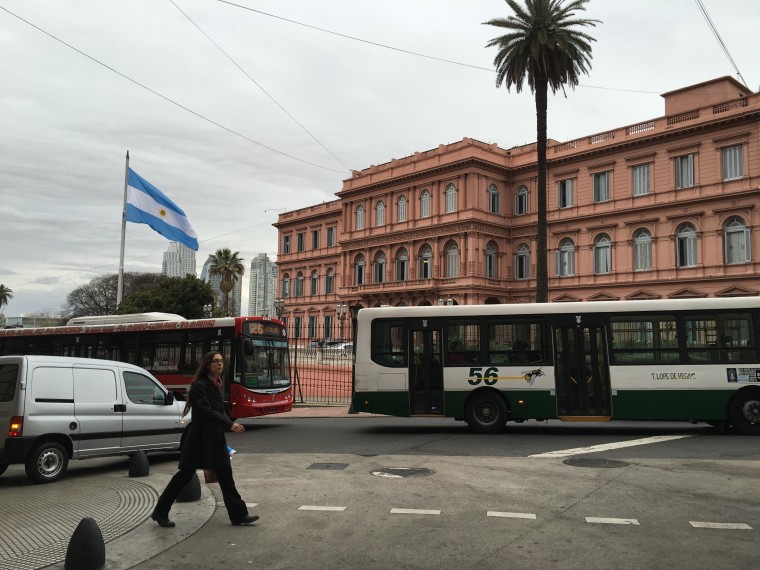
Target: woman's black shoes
[
  {"x": 162, "y": 521},
  {"x": 246, "y": 520}
]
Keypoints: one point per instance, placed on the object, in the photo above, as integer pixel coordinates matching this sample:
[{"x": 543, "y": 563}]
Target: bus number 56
[{"x": 489, "y": 377}]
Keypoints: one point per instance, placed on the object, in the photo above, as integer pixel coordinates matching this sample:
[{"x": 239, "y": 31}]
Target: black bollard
[
  {"x": 139, "y": 466},
  {"x": 86, "y": 550},
  {"x": 190, "y": 492}
]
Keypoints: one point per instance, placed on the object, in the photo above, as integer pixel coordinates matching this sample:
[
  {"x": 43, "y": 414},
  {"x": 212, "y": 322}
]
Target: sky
[{"x": 241, "y": 110}]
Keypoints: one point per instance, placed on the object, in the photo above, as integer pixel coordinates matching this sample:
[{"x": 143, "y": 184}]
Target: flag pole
[{"x": 120, "y": 285}]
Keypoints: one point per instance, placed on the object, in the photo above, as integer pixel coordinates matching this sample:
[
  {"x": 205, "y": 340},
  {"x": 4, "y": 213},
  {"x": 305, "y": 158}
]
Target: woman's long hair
[{"x": 202, "y": 372}]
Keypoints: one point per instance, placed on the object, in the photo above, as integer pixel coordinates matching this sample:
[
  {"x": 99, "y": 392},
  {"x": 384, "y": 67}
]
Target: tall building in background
[
  {"x": 179, "y": 260},
  {"x": 215, "y": 280},
  {"x": 262, "y": 284}
]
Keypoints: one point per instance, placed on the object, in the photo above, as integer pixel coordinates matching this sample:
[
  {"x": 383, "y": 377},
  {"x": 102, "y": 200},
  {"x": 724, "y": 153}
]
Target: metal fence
[{"x": 321, "y": 364}]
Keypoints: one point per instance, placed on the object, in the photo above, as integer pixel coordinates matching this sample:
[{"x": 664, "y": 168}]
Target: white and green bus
[{"x": 686, "y": 359}]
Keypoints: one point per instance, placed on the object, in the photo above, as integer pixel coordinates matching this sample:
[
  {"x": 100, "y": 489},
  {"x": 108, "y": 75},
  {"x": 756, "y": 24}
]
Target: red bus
[{"x": 257, "y": 372}]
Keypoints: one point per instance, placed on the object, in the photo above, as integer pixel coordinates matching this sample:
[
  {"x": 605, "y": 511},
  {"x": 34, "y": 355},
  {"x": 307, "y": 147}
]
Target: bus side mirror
[{"x": 248, "y": 346}]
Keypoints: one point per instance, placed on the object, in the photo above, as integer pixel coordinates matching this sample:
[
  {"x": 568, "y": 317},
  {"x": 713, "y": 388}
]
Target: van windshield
[{"x": 8, "y": 376}]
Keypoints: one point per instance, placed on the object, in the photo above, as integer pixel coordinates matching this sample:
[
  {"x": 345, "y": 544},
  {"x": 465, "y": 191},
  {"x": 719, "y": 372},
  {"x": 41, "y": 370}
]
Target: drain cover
[
  {"x": 328, "y": 466},
  {"x": 597, "y": 463},
  {"x": 401, "y": 472}
]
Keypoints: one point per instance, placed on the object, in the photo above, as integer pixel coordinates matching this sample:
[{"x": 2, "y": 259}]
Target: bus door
[
  {"x": 425, "y": 371},
  {"x": 582, "y": 372}
]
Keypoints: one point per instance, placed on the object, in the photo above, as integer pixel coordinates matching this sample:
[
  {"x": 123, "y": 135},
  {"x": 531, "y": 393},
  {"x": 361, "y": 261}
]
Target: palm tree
[
  {"x": 230, "y": 268},
  {"x": 545, "y": 45},
  {"x": 6, "y": 294}
]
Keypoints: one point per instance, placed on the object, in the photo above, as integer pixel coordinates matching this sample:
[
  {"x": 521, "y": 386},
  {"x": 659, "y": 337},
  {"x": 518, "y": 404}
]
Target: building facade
[
  {"x": 665, "y": 208},
  {"x": 179, "y": 260},
  {"x": 262, "y": 286},
  {"x": 214, "y": 281}
]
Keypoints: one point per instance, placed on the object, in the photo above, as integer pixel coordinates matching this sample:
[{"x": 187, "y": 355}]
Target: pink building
[{"x": 661, "y": 209}]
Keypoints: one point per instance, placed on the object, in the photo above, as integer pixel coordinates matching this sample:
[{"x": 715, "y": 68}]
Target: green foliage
[
  {"x": 98, "y": 297},
  {"x": 230, "y": 268},
  {"x": 183, "y": 296},
  {"x": 6, "y": 294}
]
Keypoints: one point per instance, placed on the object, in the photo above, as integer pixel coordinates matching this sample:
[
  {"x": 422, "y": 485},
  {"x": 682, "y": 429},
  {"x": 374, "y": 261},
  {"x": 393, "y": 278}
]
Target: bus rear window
[{"x": 389, "y": 344}]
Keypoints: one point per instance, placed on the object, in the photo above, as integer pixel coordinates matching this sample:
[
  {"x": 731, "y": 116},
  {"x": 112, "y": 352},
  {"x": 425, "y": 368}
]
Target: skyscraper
[
  {"x": 261, "y": 291},
  {"x": 214, "y": 281},
  {"x": 179, "y": 260}
]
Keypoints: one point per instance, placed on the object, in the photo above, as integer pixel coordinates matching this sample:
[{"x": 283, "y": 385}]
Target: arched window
[
  {"x": 285, "y": 287},
  {"x": 736, "y": 242},
  {"x": 380, "y": 214},
  {"x": 491, "y": 260},
  {"x": 425, "y": 204},
  {"x": 314, "y": 283},
  {"x": 402, "y": 265},
  {"x": 602, "y": 255},
  {"x": 522, "y": 262},
  {"x": 686, "y": 246},
  {"x": 426, "y": 262},
  {"x": 493, "y": 199},
  {"x": 642, "y": 250},
  {"x": 360, "y": 217},
  {"x": 521, "y": 201},
  {"x": 359, "y": 270},
  {"x": 379, "y": 276},
  {"x": 330, "y": 281},
  {"x": 565, "y": 258},
  {"x": 451, "y": 198},
  {"x": 401, "y": 209},
  {"x": 452, "y": 260},
  {"x": 298, "y": 292}
]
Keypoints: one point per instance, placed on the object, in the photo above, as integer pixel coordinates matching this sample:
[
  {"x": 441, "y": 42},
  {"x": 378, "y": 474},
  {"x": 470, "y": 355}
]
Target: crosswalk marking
[
  {"x": 599, "y": 520},
  {"x": 608, "y": 446},
  {"x": 510, "y": 515},
  {"x": 319, "y": 508},
  {"x": 732, "y": 526},
  {"x": 414, "y": 512}
]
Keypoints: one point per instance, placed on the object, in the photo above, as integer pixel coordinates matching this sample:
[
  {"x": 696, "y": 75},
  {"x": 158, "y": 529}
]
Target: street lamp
[
  {"x": 279, "y": 307},
  {"x": 449, "y": 301},
  {"x": 440, "y": 302},
  {"x": 208, "y": 310},
  {"x": 340, "y": 312}
]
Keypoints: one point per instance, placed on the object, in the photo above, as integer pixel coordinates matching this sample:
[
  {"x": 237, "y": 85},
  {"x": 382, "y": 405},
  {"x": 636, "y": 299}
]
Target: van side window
[
  {"x": 94, "y": 386},
  {"x": 8, "y": 375},
  {"x": 143, "y": 390}
]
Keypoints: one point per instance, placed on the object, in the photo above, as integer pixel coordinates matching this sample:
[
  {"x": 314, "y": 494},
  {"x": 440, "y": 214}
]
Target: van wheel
[
  {"x": 47, "y": 462},
  {"x": 3, "y": 467},
  {"x": 486, "y": 412}
]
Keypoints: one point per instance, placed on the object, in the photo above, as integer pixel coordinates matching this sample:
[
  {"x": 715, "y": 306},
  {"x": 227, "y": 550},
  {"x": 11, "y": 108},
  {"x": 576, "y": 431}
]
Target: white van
[{"x": 54, "y": 408}]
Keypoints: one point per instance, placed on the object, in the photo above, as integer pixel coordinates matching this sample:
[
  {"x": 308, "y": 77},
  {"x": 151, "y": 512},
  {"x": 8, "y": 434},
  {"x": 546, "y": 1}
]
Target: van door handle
[{"x": 120, "y": 408}]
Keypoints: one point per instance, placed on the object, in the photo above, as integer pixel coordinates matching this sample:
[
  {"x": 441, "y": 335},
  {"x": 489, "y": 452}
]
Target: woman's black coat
[{"x": 205, "y": 446}]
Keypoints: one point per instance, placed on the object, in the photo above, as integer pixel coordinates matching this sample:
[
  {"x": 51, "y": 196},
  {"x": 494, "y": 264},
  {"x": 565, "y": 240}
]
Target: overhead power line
[{"x": 720, "y": 40}]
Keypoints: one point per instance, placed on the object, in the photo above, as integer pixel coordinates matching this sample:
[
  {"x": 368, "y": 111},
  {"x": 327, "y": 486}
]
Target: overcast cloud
[{"x": 66, "y": 122}]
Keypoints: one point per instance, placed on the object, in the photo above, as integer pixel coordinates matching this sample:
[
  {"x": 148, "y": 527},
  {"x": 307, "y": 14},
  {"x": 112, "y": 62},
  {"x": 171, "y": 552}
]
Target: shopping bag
[{"x": 209, "y": 476}]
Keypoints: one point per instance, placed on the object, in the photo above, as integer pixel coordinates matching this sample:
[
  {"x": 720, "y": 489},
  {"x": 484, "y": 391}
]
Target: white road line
[
  {"x": 731, "y": 526},
  {"x": 317, "y": 508},
  {"x": 596, "y": 520},
  {"x": 510, "y": 515},
  {"x": 608, "y": 446},
  {"x": 249, "y": 505},
  {"x": 414, "y": 512}
]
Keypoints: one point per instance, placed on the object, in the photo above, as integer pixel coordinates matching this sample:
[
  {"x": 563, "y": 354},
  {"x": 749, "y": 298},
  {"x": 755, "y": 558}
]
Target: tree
[
  {"x": 230, "y": 268},
  {"x": 98, "y": 297},
  {"x": 6, "y": 294},
  {"x": 183, "y": 296},
  {"x": 545, "y": 45}
]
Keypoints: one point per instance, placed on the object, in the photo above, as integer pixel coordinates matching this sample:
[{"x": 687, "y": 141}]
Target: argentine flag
[{"x": 146, "y": 204}]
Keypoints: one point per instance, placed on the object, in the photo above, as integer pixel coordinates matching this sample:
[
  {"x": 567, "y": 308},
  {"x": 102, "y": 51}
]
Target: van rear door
[
  {"x": 99, "y": 409},
  {"x": 150, "y": 422}
]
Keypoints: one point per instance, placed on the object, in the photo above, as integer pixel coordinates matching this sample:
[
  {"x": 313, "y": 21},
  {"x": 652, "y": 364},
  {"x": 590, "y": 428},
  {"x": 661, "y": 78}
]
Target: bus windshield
[{"x": 267, "y": 364}]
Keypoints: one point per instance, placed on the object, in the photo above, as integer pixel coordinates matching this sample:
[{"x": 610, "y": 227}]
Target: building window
[
  {"x": 297, "y": 327},
  {"x": 601, "y": 186},
  {"x": 380, "y": 214},
  {"x": 736, "y": 241},
  {"x": 331, "y": 236},
  {"x": 602, "y": 255},
  {"x": 298, "y": 288},
  {"x": 521, "y": 201},
  {"x": 402, "y": 265},
  {"x": 565, "y": 193},
  {"x": 401, "y": 209},
  {"x": 314, "y": 239},
  {"x": 684, "y": 166},
  {"x": 300, "y": 238},
  {"x": 285, "y": 286},
  {"x": 451, "y": 198},
  {"x": 312, "y": 327},
  {"x": 522, "y": 262},
  {"x": 360, "y": 217},
  {"x": 425, "y": 204},
  {"x": 426, "y": 262},
  {"x": 642, "y": 250},
  {"x": 565, "y": 258},
  {"x": 328, "y": 326},
  {"x": 314, "y": 283},
  {"x": 640, "y": 179},
  {"x": 380, "y": 268},
  {"x": 359, "y": 271},
  {"x": 733, "y": 162},
  {"x": 285, "y": 244},
  {"x": 493, "y": 199},
  {"x": 686, "y": 246},
  {"x": 452, "y": 261},
  {"x": 330, "y": 281},
  {"x": 491, "y": 261}
]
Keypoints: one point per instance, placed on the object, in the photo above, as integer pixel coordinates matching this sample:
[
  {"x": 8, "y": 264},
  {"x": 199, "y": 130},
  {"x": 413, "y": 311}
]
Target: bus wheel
[
  {"x": 47, "y": 462},
  {"x": 744, "y": 412},
  {"x": 486, "y": 412}
]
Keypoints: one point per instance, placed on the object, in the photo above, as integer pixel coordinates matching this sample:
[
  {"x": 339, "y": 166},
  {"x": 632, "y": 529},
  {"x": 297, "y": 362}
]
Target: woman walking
[{"x": 205, "y": 446}]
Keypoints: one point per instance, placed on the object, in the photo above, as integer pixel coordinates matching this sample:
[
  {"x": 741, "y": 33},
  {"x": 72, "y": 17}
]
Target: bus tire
[
  {"x": 744, "y": 411},
  {"x": 486, "y": 412},
  {"x": 47, "y": 462}
]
